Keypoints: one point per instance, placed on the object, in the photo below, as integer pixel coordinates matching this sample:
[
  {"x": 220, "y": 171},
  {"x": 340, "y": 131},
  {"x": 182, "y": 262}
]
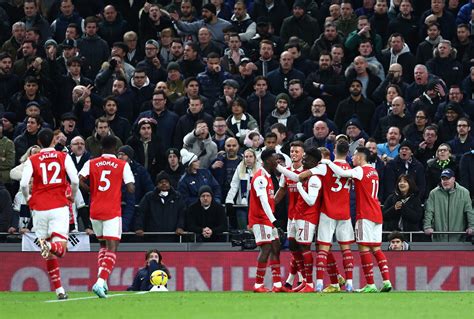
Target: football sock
[
  {"x": 348, "y": 262},
  {"x": 321, "y": 264},
  {"x": 308, "y": 266},
  {"x": 383, "y": 264},
  {"x": 367, "y": 265},
  {"x": 276, "y": 277},
  {"x": 332, "y": 269},
  {"x": 53, "y": 271},
  {"x": 57, "y": 249},
  {"x": 100, "y": 257},
  {"x": 107, "y": 265},
  {"x": 299, "y": 264},
  {"x": 260, "y": 276},
  {"x": 293, "y": 267}
]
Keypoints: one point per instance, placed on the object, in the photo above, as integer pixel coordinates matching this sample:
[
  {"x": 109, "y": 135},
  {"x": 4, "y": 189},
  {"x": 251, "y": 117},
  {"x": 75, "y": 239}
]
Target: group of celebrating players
[
  {"x": 319, "y": 205},
  {"x": 52, "y": 193}
]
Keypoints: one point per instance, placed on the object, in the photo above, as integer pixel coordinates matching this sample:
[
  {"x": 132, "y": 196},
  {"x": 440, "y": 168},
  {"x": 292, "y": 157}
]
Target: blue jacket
[
  {"x": 210, "y": 84},
  {"x": 464, "y": 14},
  {"x": 189, "y": 185},
  {"x": 141, "y": 282}
]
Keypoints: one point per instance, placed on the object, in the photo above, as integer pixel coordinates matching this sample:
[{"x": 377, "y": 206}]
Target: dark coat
[
  {"x": 214, "y": 217},
  {"x": 396, "y": 167},
  {"x": 466, "y": 166},
  {"x": 186, "y": 124},
  {"x": 411, "y": 213},
  {"x": 189, "y": 185},
  {"x": 279, "y": 81},
  {"x": 433, "y": 172},
  {"x": 349, "y": 108},
  {"x": 260, "y": 107}
]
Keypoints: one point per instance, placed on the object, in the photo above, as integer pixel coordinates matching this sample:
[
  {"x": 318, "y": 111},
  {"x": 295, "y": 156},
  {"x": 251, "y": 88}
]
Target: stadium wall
[{"x": 229, "y": 271}]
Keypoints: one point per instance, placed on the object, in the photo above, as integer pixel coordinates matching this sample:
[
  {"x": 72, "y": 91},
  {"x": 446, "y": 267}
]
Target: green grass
[{"x": 240, "y": 305}]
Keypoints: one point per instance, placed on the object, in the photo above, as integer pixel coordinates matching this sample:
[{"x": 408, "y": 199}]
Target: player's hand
[
  {"x": 139, "y": 232},
  {"x": 429, "y": 231},
  {"x": 89, "y": 231},
  {"x": 469, "y": 231},
  {"x": 11, "y": 230},
  {"x": 325, "y": 161},
  {"x": 179, "y": 231},
  {"x": 398, "y": 205},
  {"x": 70, "y": 198},
  {"x": 304, "y": 176}
]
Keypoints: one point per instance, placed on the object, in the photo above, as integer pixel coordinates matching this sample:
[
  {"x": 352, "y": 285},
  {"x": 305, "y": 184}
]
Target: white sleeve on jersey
[
  {"x": 282, "y": 181},
  {"x": 85, "y": 171},
  {"x": 339, "y": 170},
  {"x": 314, "y": 185},
  {"x": 320, "y": 169},
  {"x": 25, "y": 179},
  {"x": 128, "y": 175},
  {"x": 260, "y": 186},
  {"x": 72, "y": 174},
  {"x": 288, "y": 174},
  {"x": 357, "y": 172}
]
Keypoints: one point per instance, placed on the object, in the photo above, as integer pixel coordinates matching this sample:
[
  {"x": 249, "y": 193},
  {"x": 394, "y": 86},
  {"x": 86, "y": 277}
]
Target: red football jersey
[
  {"x": 366, "y": 182},
  {"x": 263, "y": 181},
  {"x": 292, "y": 192},
  {"x": 106, "y": 174},
  {"x": 49, "y": 180},
  {"x": 336, "y": 194},
  {"x": 306, "y": 212}
]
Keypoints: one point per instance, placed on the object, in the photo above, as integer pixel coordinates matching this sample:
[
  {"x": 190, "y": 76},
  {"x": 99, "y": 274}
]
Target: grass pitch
[{"x": 238, "y": 305}]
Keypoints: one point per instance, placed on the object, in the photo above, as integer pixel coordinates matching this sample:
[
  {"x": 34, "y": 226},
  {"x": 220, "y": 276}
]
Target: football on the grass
[{"x": 158, "y": 278}]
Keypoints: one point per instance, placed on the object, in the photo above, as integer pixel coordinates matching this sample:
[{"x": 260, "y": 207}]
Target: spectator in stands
[
  {"x": 209, "y": 20},
  {"x": 206, "y": 218},
  {"x": 28, "y": 138},
  {"x": 266, "y": 61},
  {"x": 135, "y": 52},
  {"x": 241, "y": 20},
  {"x": 347, "y": 22},
  {"x": 326, "y": 40},
  {"x": 161, "y": 210},
  {"x": 438, "y": 14},
  {"x": 365, "y": 73},
  {"x": 275, "y": 11},
  {"x": 6, "y": 212},
  {"x": 194, "y": 178},
  {"x": 430, "y": 99},
  {"x": 397, "y": 242},
  {"x": 447, "y": 126},
  {"x": 380, "y": 20},
  {"x": 66, "y": 16},
  {"x": 321, "y": 136},
  {"x": 456, "y": 96},
  {"x": 445, "y": 65},
  {"x": 211, "y": 80},
  {"x": 153, "y": 262},
  {"x": 33, "y": 18},
  {"x": 246, "y": 76},
  {"x": 191, "y": 90},
  {"x": 222, "y": 107},
  {"x": 12, "y": 45},
  {"x": 174, "y": 168},
  {"x": 261, "y": 102},
  {"x": 299, "y": 23},
  {"x": 9, "y": 82},
  {"x": 398, "y": 52},
  {"x": 448, "y": 208},
  {"x": 152, "y": 22},
  {"x": 397, "y": 117},
  {"x": 318, "y": 113},
  {"x": 355, "y": 105},
  {"x": 191, "y": 65},
  {"x": 366, "y": 50},
  {"x": 414, "y": 132},
  {"x": 417, "y": 88},
  {"x": 282, "y": 114},
  {"x": 151, "y": 63},
  {"x": 356, "y": 135},
  {"x": 240, "y": 122},
  {"x": 466, "y": 166},
  {"x": 199, "y": 142},
  {"x": 385, "y": 107},
  {"x": 240, "y": 188},
  {"x": 425, "y": 49},
  {"x": 206, "y": 43},
  {"x": 404, "y": 163},
  {"x": 394, "y": 77},
  {"x": 463, "y": 142},
  {"x": 326, "y": 84},
  {"x": 406, "y": 24},
  {"x": 376, "y": 162},
  {"x": 221, "y": 132},
  {"x": 102, "y": 129},
  {"x": 7, "y": 156},
  {"x": 443, "y": 160},
  {"x": 78, "y": 153},
  {"x": 224, "y": 166},
  {"x": 428, "y": 146},
  {"x": 389, "y": 150},
  {"x": 92, "y": 47},
  {"x": 279, "y": 78}
]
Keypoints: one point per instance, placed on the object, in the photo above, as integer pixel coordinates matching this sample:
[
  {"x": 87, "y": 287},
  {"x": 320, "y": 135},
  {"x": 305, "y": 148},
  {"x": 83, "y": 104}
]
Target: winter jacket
[
  {"x": 404, "y": 58},
  {"x": 205, "y": 150},
  {"x": 189, "y": 185},
  {"x": 260, "y": 107},
  {"x": 322, "y": 44},
  {"x": 449, "y": 211},
  {"x": 245, "y": 27},
  {"x": 6, "y": 211},
  {"x": 408, "y": 218},
  {"x": 59, "y": 26},
  {"x": 397, "y": 167},
  {"x": 93, "y": 145},
  {"x": 449, "y": 69},
  {"x": 279, "y": 82},
  {"x": 292, "y": 123},
  {"x": 154, "y": 74},
  {"x": 466, "y": 166},
  {"x": 299, "y": 27},
  {"x": 224, "y": 174},
  {"x": 458, "y": 148},
  {"x": 96, "y": 51},
  {"x": 113, "y": 31},
  {"x": 198, "y": 218},
  {"x": 247, "y": 123},
  {"x": 210, "y": 84},
  {"x": 349, "y": 108},
  {"x": 434, "y": 169},
  {"x": 165, "y": 127},
  {"x": 186, "y": 124},
  {"x": 7, "y": 159}
]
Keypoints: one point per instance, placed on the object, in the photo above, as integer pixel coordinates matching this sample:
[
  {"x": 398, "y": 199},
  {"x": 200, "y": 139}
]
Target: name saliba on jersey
[{"x": 47, "y": 155}]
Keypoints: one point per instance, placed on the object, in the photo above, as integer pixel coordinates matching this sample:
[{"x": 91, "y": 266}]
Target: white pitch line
[{"x": 95, "y": 297}]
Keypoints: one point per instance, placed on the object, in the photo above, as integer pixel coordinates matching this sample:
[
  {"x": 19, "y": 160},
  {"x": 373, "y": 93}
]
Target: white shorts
[
  {"x": 368, "y": 233},
  {"x": 291, "y": 228},
  {"x": 51, "y": 224},
  {"x": 264, "y": 234},
  {"x": 304, "y": 232},
  {"x": 110, "y": 229},
  {"x": 328, "y": 227}
]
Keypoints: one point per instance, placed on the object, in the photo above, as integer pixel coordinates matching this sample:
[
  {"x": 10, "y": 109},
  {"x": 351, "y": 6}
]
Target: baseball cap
[{"x": 447, "y": 173}]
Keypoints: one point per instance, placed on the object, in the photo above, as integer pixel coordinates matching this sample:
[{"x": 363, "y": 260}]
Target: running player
[
  {"x": 49, "y": 202},
  {"x": 261, "y": 220},
  {"x": 106, "y": 174},
  {"x": 369, "y": 218}
]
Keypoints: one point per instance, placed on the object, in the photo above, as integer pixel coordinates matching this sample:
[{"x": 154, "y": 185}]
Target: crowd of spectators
[{"x": 193, "y": 91}]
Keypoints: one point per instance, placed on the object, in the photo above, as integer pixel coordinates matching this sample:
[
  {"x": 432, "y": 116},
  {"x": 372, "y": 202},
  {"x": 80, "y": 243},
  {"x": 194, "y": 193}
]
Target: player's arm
[
  {"x": 25, "y": 179},
  {"x": 319, "y": 169},
  {"x": 288, "y": 174},
  {"x": 349, "y": 173},
  {"x": 83, "y": 175},
  {"x": 72, "y": 174},
  {"x": 129, "y": 179},
  {"x": 260, "y": 186},
  {"x": 314, "y": 185},
  {"x": 281, "y": 192}
]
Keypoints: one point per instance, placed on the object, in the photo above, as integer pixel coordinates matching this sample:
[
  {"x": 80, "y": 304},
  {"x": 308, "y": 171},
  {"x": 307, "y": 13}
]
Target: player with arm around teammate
[
  {"x": 105, "y": 174},
  {"x": 49, "y": 202},
  {"x": 369, "y": 219},
  {"x": 261, "y": 221}
]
